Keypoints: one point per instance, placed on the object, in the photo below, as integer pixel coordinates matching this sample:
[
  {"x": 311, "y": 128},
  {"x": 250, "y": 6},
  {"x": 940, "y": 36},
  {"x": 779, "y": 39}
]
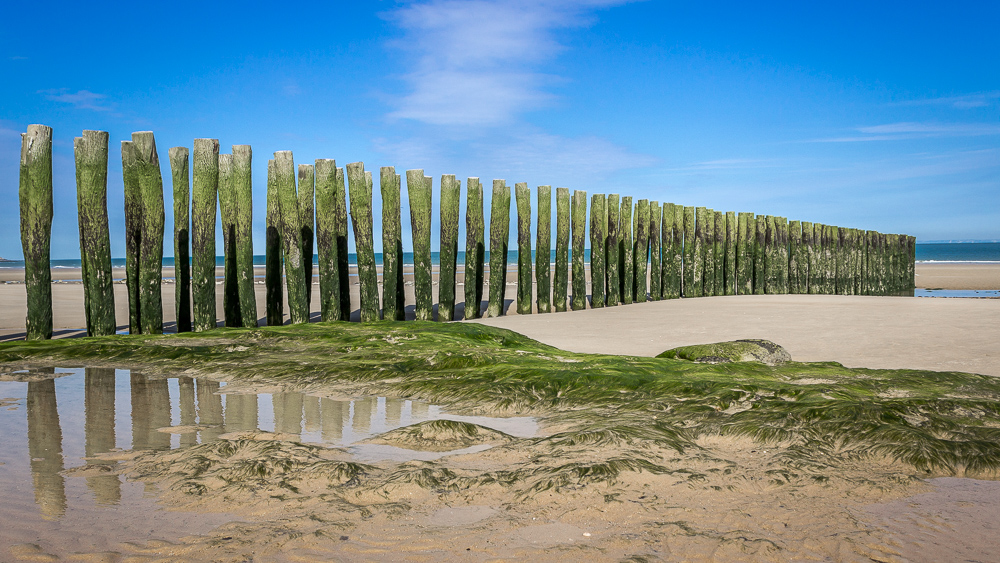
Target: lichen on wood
[
  {"x": 243, "y": 190},
  {"x": 205, "y": 172},
  {"x": 35, "y": 199},
  {"x": 360, "y": 185},
  {"x": 613, "y": 252},
  {"x": 291, "y": 238},
  {"x": 393, "y": 299},
  {"x": 543, "y": 251},
  {"x": 326, "y": 238},
  {"x": 274, "y": 294},
  {"x": 451, "y": 193},
  {"x": 91, "y": 155},
  {"x": 418, "y": 189},
  {"x": 499, "y": 241},
  {"x": 598, "y": 241},
  {"x": 307, "y": 224},
  {"x": 475, "y": 248},
  {"x": 522, "y": 196},
  {"x": 579, "y": 301}
]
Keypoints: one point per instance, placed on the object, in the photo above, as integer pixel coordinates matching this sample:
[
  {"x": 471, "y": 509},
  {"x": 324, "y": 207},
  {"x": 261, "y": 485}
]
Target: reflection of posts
[
  {"x": 188, "y": 410},
  {"x": 209, "y": 410},
  {"x": 393, "y": 412},
  {"x": 288, "y": 413},
  {"x": 99, "y": 431},
  {"x": 241, "y": 412},
  {"x": 419, "y": 412},
  {"x": 150, "y": 411},
  {"x": 334, "y": 418},
  {"x": 310, "y": 408},
  {"x": 45, "y": 448},
  {"x": 363, "y": 408}
]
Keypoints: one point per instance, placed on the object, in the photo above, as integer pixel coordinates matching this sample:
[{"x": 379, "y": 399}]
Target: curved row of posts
[{"x": 639, "y": 252}]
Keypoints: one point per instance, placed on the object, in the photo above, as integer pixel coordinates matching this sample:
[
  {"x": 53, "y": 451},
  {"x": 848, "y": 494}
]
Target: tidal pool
[{"x": 55, "y": 423}]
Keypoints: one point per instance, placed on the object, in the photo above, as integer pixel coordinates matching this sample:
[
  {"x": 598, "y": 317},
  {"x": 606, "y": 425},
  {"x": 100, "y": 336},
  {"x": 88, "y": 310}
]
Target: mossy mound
[
  {"x": 441, "y": 436},
  {"x": 750, "y": 350}
]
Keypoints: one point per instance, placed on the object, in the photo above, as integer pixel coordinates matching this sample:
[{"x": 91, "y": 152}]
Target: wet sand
[{"x": 936, "y": 275}]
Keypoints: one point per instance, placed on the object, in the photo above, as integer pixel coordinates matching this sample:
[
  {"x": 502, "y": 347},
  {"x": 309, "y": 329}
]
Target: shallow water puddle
[{"x": 54, "y": 421}]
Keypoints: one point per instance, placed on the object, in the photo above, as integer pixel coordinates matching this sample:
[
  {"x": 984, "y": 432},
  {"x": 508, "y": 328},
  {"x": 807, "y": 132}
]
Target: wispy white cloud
[
  {"x": 904, "y": 131},
  {"x": 81, "y": 99},
  {"x": 477, "y": 63},
  {"x": 726, "y": 164},
  {"x": 967, "y": 101}
]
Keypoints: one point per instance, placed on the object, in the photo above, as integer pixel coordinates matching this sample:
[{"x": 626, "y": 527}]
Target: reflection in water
[
  {"x": 99, "y": 431},
  {"x": 45, "y": 448},
  {"x": 205, "y": 414}
]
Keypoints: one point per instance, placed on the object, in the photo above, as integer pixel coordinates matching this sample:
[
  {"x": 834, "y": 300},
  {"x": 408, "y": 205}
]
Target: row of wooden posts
[{"x": 640, "y": 252}]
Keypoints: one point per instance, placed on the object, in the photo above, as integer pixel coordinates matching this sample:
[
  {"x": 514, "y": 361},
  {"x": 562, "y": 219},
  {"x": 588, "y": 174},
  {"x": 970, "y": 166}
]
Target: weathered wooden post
[
  {"x": 794, "y": 256},
  {"x": 360, "y": 186},
  {"x": 719, "y": 249},
  {"x": 859, "y": 260},
  {"x": 274, "y": 297},
  {"x": 393, "y": 299},
  {"x": 133, "y": 234},
  {"x": 701, "y": 230},
  {"x": 781, "y": 254},
  {"x": 655, "y": 268},
  {"x": 243, "y": 184},
  {"x": 729, "y": 250},
  {"x": 326, "y": 236},
  {"x": 91, "y": 155},
  {"x": 524, "y": 280},
  {"x": 291, "y": 238},
  {"x": 499, "y": 239},
  {"x": 744, "y": 256},
  {"x": 451, "y": 193},
  {"x": 579, "y": 302},
  {"x": 205, "y": 164},
  {"x": 626, "y": 242},
  {"x": 227, "y": 207},
  {"x": 419, "y": 192},
  {"x": 688, "y": 286},
  {"x": 831, "y": 257},
  {"x": 805, "y": 256},
  {"x": 153, "y": 222},
  {"x": 598, "y": 238},
  {"x": 307, "y": 217},
  {"x": 770, "y": 257},
  {"x": 543, "y": 251},
  {"x": 35, "y": 198},
  {"x": 672, "y": 237},
  {"x": 343, "y": 253},
  {"x": 709, "y": 249},
  {"x": 475, "y": 249},
  {"x": 911, "y": 248},
  {"x": 641, "y": 255},
  {"x": 840, "y": 245},
  {"x": 613, "y": 252},
  {"x": 759, "y": 249}
]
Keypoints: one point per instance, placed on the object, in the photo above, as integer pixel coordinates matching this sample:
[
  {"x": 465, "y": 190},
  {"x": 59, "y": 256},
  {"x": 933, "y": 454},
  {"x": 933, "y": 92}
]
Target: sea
[{"x": 967, "y": 252}]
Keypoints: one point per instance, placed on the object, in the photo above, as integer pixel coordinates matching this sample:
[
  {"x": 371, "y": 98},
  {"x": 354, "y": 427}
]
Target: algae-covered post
[
  {"x": 613, "y": 251},
  {"x": 133, "y": 234},
  {"x": 719, "y": 249},
  {"x": 274, "y": 298},
  {"x": 291, "y": 238},
  {"x": 179, "y": 168},
  {"x": 759, "y": 251},
  {"x": 307, "y": 224},
  {"x": 781, "y": 253},
  {"x": 560, "y": 289},
  {"x": 700, "y": 238},
  {"x": 340, "y": 231},
  {"x": 655, "y": 273},
  {"x": 326, "y": 238},
  {"x": 689, "y": 287},
  {"x": 794, "y": 255},
  {"x": 91, "y": 154},
  {"x": 641, "y": 256},
  {"x": 543, "y": 251},
  {"x": 475, "y": 249},
  {"x": 730, "y": 254},
  {"x": 598, "y": 237},
  {"x": 672, "y": 236},
  {"x": 708, "y": 232},
  {"x": 522, "y": 196},
  {"x": 626, "y": 258},
  {"x": 393, "y": 302},
  {"x": 153, "y": 222},
  {"x": 205, "y": 171},
  {"x": 35, "y": 199},
  {"x": 830, "y": 252},
  {"x": 499, "y": 239},
  {"x": 361, "y": 219},
  {"x": 419, "y": 191},
  {"x": 911, "y": 252},
  {"x": 744, "y": 255},
  {"x": 451, "y": 192},
  {"x": 579, "y": 244},
  {"x": 805, "y": 256},
  {"x": 770, "y": 256},
  {"x": 227, "y": 207},
  {"x": 840, "y": 244},
  {"x": 243, "y": 188}
]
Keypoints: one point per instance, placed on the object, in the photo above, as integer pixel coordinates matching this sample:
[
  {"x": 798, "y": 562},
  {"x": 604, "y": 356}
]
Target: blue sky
[{"x": 874, "y": 115}]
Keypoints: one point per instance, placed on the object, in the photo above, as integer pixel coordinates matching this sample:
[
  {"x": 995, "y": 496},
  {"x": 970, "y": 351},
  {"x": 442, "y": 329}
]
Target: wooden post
[
  {"x": 291, "y": 238},
  {"x": 840, "y": 242},
  {"x": 655, "y": 269},
  {"x": 35, "y": 199},
  {"x": 701, "y": 230},
  {"x": 418, "y": 190},
  {"x": 451, "y": 193},
  {"x": 759, "y": 248},
  {"x": 307, "y": 224},
  {"x": 560, "y": 289},
  {"x": 831, "y": 257},
  {"x": 911, "y": 248},
  {"x": 326, "y": 237},
  {"x": 153, "y": 219},
  {"x": 672, "y": 236},
  {"x": 343, "y": 253},
  {"x": 641, "y": 256},
  {"x": 770, "y": 262},
  {"x": 627, "y": 253},
  {"x": 794, "y": 256},
  {"x": 393, "y": 298},
  {"x": 243, "y": 184},
  {"x": 522, "y": 196},
  {"x": 272, "y": 260},
  {"x": 781, "y": 253},
  {"x": 598, "y": 239},
  {"x": 688, "y": 286},
  {"x": 729, "y": 250},
  {"x": 744, "y": 256},
  {"x": 475, "y": 249},
  {"x": 719, "y": 249},
  {"x": 708, "y": 251},
  {"x": 227, "y": 206},
  {"x": 805, "y": 256},
  {"x": 205, "y": 164},
  {"x": 543, "y": 251},
  {"x": 499, "y": 240},
  {"x": 133, "y": 234},
  {"x": 859, "y": 261},
  {"x": 612, "y": 252},
  {"x": 360, "y": 186},
  {"x": 579, "y": 302},
  {"x": 91, "y": 154}
]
